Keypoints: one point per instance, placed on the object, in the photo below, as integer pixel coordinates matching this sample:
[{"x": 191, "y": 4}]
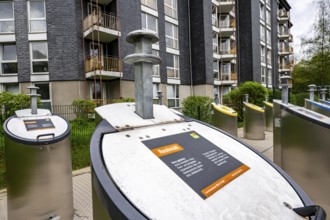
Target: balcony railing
[
  {"x": 233, "y": 76},
  {"x": 284, "y": 32},
  {"x": 228, "y": 51},
  {"x": 285, "y": 66},
  {"x": 228, "y": 23},
  {"x": 105, "y": 63},
  {"x": 284, "y": 14},
  {"x": 215, "y": 21},
  {"x": 232, "y": 1},
  {"x": 286, "y": 50},
  {"x": 101, "y": 19}
]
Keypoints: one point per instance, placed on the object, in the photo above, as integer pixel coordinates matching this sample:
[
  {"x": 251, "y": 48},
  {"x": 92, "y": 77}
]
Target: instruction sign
[
  {"x": 38, "y": 124},
  {"x": 205, "y": 167}
]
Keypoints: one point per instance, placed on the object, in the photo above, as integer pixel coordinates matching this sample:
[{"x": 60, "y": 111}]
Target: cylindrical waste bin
[
  {"x": 254, "y": 122},
  {"x": 38, "y": 166},
  {"x": 269, "y": 116},
  {"x": 224, "y": 118}
]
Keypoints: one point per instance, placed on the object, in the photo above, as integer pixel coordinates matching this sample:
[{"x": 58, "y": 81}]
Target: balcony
[
  {"x": 101, "y": 25},
  {"x": 227, "y": 27},
  {"x": 105, "y": 67},
  {"x": 284, "y": 16},
  {"x": 285, "y": 67},
  {"x": 215, "y": 21},
  {"x": 226, "y": 5},
  {"x": 284, "y": 34},
  {"x": 285, "y": 51},
  {"x": 233, "y": 76},
  {"x": 290, "y": 38},
  {"x": 228, "y": 55}
]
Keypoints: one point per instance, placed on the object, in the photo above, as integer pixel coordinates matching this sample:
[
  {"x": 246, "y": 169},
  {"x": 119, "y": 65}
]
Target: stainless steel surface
[
  {"x": 39, "y": 180},
  {"x": 254, "y": 122},
  {"x": 224, "y": 120},
  {"x": 285, "y": 88},
  {"x": 305, "y": 153},
  {"x": 143, "y": 60},
  {"x": 269, "y": 116},
  {"x": 33, "y": 94},
  {"x": 277, "y": 132},
  {"x": 38, "y": 166},
  {"x": 311, "y": 91},
  {"x": 318, "y": 107}
]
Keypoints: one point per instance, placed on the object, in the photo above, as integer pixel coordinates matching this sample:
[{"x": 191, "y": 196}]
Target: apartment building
[{"x": 75, "y": 48}]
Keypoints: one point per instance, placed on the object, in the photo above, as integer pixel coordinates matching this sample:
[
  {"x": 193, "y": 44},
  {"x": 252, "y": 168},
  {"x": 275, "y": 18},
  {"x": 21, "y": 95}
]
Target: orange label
[
  {"x": 166, "y": 150},
  {"x": 215, "y": 186}
]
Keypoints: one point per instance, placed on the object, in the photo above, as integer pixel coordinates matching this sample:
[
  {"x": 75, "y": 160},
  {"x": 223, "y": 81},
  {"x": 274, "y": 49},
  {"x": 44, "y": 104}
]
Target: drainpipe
[
  {"x": 143, "y": 60},
  {"x": 311, "y": 92}
]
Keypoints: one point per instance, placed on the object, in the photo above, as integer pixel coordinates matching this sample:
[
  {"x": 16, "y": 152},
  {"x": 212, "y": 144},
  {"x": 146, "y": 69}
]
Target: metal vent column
[
  {"x": 311, "y": 92},
  {"x": 143, "y": 60},
  {"x": 33, "y": 94}
]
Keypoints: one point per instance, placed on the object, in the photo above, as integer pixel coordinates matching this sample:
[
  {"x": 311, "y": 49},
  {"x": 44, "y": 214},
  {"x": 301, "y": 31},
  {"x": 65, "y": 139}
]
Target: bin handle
[
  {"x": 44, "y": 135},
  {"x": 313, "y": 210}
]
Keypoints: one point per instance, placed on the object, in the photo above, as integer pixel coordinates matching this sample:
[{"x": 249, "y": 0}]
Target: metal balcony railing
[
  {"x": 231, "y": 1},
  {"x": 286, "y": 50},
  {"x": 104, "y": 63},
  {"x": 231, "y": 23},
  {"x": 285, "y": 66},
  {"x": 101, "y": 19},
  {"x": 231, "y": 51},
  {"x": 284, "y": 14},
  {"x": 233, "y": 76}
]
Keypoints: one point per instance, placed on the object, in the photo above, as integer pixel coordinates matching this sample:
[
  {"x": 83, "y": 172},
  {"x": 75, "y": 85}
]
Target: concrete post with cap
[{"x": 311, "y": 91}]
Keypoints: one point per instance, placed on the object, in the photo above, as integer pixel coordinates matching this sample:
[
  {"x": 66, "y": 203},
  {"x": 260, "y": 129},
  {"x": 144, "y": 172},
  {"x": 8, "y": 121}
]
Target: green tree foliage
[
  {"x": 83, "y": 108},
  {"x": 10, "y": 102},
  {"x": 123, "y": 100},
  {"x": 235, "y": 98},
  {"x": 315, "y": 69},
  {"x": 198, "y": 107}
]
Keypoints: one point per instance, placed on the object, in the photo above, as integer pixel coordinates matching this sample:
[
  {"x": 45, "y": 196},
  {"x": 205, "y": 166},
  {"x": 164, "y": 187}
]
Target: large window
[
  {"x": 171, "y": 8},
  {"x": 269, "y": 39},
  {"x": 7, "y": 24},
  {"x": 171, "y": 33},
  {"x": 225, "y": 46},
  {"x": 215, "y": 43},
  {"x": 269, "y": 77},
  {"x": 216, "y": 69},
  {"x": 39, "y": 56},
  {"x": 149, "y": 22},
  {"x": 10, "y": 87},
  {"x": 215, "y": 16},
  {"x": 173, "y": 96},
  {"x": 262, "y": 11},
  {"x": 8, "y": 59},
  {"x": 37, "y": 16},
  {"x": 44, "y": 91},
  {"x": 172, "y": 62},
  {"x": 150, "y": 3},
  {"x": 155, "y": 89},
  {"x": 263, "y": 54},
  {"x": 155, "y": 68},
  {"x": 262, "y": 33},
  {"x": 268, "y": 18},
  {"x": 263, "y": 74},
  {"x": 269, "y": 57}
]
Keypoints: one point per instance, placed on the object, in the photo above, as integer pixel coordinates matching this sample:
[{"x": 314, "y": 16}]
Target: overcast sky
[{"x": 302, "y": 15}]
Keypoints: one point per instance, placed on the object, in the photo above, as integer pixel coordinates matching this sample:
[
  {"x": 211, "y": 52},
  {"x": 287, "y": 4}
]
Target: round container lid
[
  {"x": 44, "y": 128},
  {"x": 224, "y": 109},
  {"x": 254, "y": 107}
]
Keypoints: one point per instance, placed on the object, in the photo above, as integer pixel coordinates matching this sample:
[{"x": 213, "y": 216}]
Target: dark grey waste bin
[{"x": 38, "y": 163}]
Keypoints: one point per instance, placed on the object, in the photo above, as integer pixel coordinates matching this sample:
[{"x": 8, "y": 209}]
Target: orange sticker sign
[{"x": 166, "y": 150}]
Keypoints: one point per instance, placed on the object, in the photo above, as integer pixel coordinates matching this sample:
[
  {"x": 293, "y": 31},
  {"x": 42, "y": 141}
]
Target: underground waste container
[
  {"x": 38, "y": 166},
  {"x": 224, "y": 118},
  {"x": 254, "y": 122}
]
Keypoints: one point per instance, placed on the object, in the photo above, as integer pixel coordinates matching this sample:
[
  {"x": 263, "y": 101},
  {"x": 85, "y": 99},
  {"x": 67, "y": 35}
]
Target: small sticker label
[{"x": 194, "y": 135}]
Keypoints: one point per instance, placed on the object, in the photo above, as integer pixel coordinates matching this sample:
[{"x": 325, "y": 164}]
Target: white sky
[{"x": 302, "y": 16}]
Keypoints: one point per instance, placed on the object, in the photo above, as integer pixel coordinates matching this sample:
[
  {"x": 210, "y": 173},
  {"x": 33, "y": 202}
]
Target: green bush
[
  {"x": 10, "y": 102},
  {"x": 82, "y": 107},
  {"x": 198, "y": 107},
  {"x": 277, "y": 94},
  {"x": 235, "y": 98},
  {"x": 300, "y": 98},
  {"x": 123, "y": 100}
]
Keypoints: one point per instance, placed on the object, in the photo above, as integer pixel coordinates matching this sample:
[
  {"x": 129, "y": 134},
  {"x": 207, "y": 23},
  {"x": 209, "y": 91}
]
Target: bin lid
[
  {"x": 269, "y": 104},
  {"x": 224, "y": 109},
  {"x": 178, "y": 171},
  {"x": 254, "y": 107},
  {"x": 40, "y": 128}
]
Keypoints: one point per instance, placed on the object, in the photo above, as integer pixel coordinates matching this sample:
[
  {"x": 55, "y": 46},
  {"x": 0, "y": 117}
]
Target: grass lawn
[{"x": 81, "y": 133}]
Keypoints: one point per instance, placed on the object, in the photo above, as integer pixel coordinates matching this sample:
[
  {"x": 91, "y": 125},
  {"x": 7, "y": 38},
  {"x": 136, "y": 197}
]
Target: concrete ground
[{"x": 82, "y": 196}]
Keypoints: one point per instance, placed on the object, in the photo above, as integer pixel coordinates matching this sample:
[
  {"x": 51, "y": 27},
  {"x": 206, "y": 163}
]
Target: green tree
[{"x": 198, "y": 107}]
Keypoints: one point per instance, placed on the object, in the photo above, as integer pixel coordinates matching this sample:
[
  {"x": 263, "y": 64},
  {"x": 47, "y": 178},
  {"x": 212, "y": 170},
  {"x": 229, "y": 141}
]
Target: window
[
  {"x": 37, "y": 16},
  {"x": 155, "y": 89},
  {"x": 172, "y": 62},
  {"x": 215, "y": 15},
  {"x": 224, "y": 22},
  {"x": 44, "y": 92},
  {"x": 171, "y": 8},
  {"x": 149, "y": 22},
  {"x": 171, "y": 33},
  {"x": 173, "y": 96},
  {"x": 269, "y": 19},
  {"x": 215, "y": 43},
  {"x": 216, "y": 69},
  {"x": 262, "y": 11},
  {"x": 155, "y": 68},
  {"x": 225, "y": 71},
  {"x": 7, "y": 24},
  {"x": 269, "y": 57},
  {"x": 262, "y": 53},
  {"x": 8, "y": 59},
  {"x": 269, "y": 39},
  {"x": 39, "y": 56},
  {"x": 96, "y": 90},
  {"x": 268, "y": 2},
  {"x": 10, "y": 87},
  {"x": 269, "y": 77},
  {"x": 263, "y": 74},
  {"x": 262, "y": 33},
  {"x": 150, "y": 3}
]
